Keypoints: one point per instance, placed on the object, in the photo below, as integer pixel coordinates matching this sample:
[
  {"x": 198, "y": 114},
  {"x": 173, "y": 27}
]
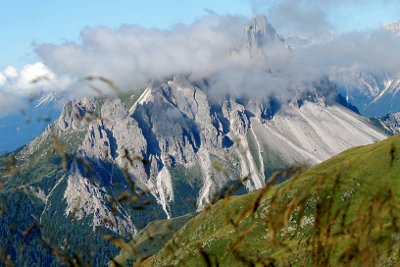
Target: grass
[
  {"x": 341, "y": 212},
  {"x": 150, "y": 240}
]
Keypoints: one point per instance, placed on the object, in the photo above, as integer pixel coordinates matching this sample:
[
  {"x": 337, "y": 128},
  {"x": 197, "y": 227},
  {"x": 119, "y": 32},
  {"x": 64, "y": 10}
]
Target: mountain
[
  {"x": 373, "y": 94},
  {"x": 108, "y": 166},
  {"x": 390, "y": 122},
  {"x": 258, "y": 32},
  {"x": 340, "y": 212},
  {"x": 297, "y": 41},
  {"x": 17, "y": 129},
  {"x": 150, "y": 240}
]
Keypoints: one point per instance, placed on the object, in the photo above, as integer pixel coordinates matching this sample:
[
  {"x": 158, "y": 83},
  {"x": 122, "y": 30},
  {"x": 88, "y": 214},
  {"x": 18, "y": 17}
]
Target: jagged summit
[{"x": 258, "y": 32}]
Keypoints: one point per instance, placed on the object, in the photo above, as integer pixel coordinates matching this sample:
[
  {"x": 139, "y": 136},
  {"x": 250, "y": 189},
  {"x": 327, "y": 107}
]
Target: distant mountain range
[
  {"x": 17, "y": 129},
  {"x": 374, "y": 94}
]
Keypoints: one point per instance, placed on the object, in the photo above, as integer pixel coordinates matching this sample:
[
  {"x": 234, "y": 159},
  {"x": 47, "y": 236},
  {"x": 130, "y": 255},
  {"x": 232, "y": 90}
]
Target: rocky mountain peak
[
  {"x": 74, "y": 112},
  {"x": 258, "y": 32}
]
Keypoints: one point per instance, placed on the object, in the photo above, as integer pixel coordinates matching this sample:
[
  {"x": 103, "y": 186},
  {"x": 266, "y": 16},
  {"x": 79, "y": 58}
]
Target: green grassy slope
[
  {"x": 344, "y": 212},
  {"x": 150, "y": 240}
]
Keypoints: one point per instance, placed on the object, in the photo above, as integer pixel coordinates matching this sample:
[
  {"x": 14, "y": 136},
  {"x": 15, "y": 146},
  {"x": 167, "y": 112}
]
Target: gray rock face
[
  {"x": 75, "y": 112},
  {"x": 74, "y": 119},
  {"x": 391, "y": 123},
  {"x": 86, "y": 198},
  {"x": 173, "y": 124},
  {"x": 258, "y": 32},
  {"x": 175, "y": 116}
]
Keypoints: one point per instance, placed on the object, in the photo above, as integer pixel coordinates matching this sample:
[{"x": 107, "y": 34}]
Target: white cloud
[
  {"x": 3, "y": 79},
  {"x": 210, "y": 47},
  {"x": 31, "y": 79},
  {"x": 10, "y": 72},
  {"x": 132, "y": 55},
  {"x": 33, "y": 76},
  {"x": 17, "y": 86}
]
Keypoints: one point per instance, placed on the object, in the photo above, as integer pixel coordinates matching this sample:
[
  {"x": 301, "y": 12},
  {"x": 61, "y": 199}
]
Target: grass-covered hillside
[
  {"x": 149, "y": 240},
  {"x": 343, "y": 212}
]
